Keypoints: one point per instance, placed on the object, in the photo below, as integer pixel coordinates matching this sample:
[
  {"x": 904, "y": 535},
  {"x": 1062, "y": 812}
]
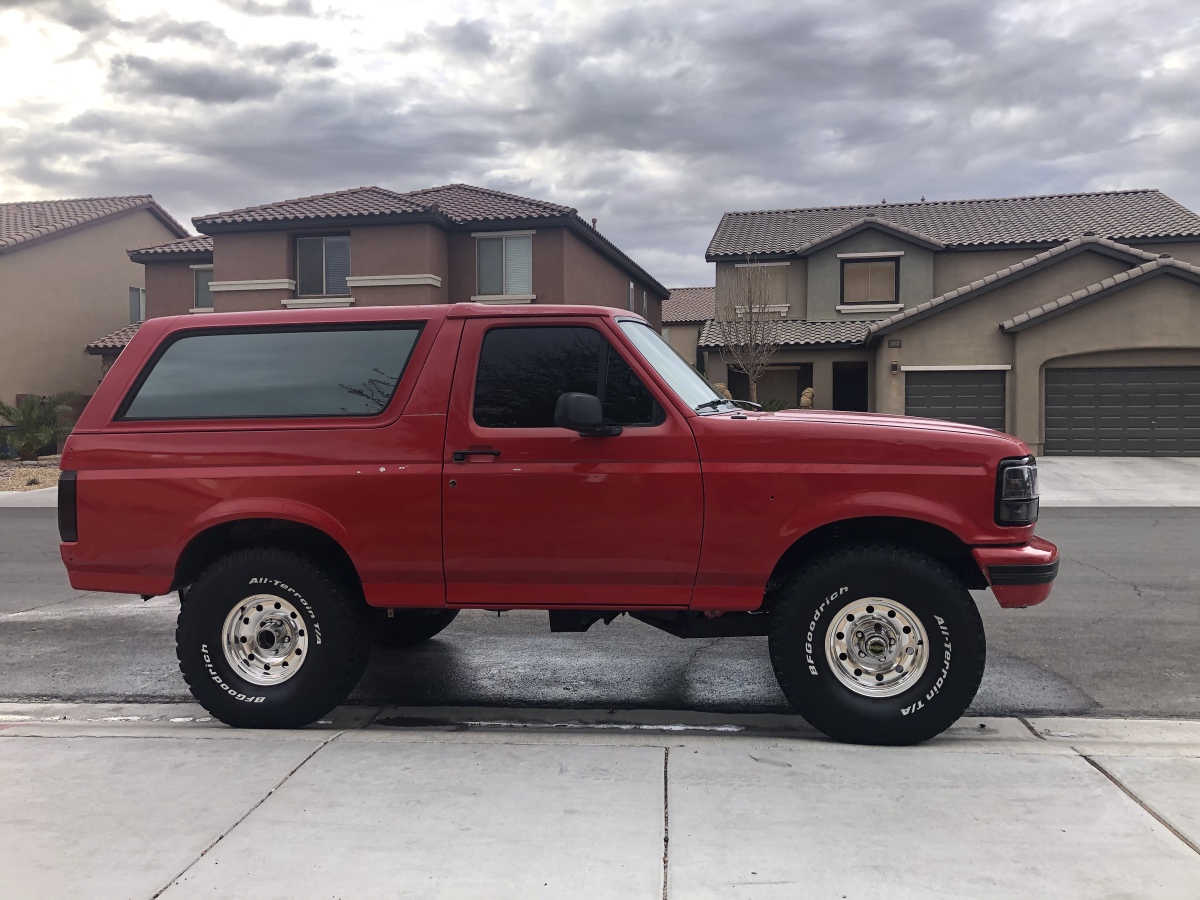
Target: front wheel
[
  {"x": 878, "y": 644},
  {"x": 266, "y": 639}
]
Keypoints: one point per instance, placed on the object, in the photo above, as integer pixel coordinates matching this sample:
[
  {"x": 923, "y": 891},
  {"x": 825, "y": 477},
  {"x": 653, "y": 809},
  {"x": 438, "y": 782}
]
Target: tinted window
[
  {"x": 330, "y": 372},
  {"x": 523, "y": 372},
  {"x": 626, "y": 400}
]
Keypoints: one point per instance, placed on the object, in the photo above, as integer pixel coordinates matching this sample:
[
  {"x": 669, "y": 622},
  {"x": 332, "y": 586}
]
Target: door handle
[{"x": 461, "y": 455}]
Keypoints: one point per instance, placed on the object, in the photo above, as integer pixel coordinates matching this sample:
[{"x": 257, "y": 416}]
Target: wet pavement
[{"x": 1114, "y": 638}]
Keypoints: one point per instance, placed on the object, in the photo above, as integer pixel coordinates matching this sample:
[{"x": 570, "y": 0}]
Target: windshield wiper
[{"x": 712, "y": 404}]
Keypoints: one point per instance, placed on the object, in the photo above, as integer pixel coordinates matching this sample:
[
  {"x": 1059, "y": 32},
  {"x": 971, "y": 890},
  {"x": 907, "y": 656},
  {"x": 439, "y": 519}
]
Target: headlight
[{"x": 1017, "y": 492}]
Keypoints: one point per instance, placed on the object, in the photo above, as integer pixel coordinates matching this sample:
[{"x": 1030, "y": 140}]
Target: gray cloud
[
  {"x": 81, "y": 15},
  {"x": 654, "y": 118},
  {"x": 139, "y": 76},
  {"x": 287, "y": 8},
  {"x": 466, "y": 38}
]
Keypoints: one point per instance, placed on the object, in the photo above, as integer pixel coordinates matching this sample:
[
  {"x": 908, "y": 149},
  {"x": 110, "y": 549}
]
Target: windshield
[{"x": 683, "y": 379}]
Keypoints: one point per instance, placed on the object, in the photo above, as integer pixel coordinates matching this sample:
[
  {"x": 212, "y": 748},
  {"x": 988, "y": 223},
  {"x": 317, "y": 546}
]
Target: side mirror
[{"x": 583, "y": 413}]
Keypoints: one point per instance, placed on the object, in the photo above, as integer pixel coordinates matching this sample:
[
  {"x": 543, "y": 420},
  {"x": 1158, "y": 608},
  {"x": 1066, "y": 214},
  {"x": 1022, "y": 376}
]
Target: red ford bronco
[{"x": 311, "y": 482}]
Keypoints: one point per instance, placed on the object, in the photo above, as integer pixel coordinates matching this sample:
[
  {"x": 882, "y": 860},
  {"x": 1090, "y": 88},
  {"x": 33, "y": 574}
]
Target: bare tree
[{"x": 747, "y": 328}]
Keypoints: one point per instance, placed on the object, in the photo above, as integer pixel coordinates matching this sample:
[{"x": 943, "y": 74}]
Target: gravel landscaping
[{"x": 29, "y": 476}]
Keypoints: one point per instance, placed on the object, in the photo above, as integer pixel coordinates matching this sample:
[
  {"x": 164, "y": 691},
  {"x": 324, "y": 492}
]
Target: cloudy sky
[{"x": 653, "y": 116}]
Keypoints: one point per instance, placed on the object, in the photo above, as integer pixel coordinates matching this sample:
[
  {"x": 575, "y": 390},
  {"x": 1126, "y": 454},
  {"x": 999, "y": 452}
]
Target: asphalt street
[{"x": 1117, "y": 637}]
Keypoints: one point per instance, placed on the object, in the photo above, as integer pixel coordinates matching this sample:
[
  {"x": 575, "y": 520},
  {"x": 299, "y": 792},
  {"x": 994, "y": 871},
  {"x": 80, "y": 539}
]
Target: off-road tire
[
  {"x": 409, "y": 627},
  {"x": 337, "y": 650},
  {"x": 807, "y": 608}
]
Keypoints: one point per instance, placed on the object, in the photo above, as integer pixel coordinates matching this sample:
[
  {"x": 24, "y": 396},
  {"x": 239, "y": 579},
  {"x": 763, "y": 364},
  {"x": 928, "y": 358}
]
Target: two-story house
[
  {"x": 1071, "y": 321},
  {"x": 64, "y": 278},
  {"x": 375, "y": 247}
]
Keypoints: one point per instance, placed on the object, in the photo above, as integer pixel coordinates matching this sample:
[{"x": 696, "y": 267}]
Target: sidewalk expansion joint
[
  {"x": 1188, "y": 842},
  {"x": 242, "y": 818},
  {"x": 1024, "y": 721},
  {"x": 666, "y": 820}
]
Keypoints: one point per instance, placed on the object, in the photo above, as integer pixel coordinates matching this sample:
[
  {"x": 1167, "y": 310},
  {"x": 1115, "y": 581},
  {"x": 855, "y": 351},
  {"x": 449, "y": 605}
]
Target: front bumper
[{"x": 1019, "y": 576}]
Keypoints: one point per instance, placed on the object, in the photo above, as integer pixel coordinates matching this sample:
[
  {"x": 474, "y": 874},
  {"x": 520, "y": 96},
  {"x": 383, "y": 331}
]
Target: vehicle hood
[{"x": 830, "y": 435}]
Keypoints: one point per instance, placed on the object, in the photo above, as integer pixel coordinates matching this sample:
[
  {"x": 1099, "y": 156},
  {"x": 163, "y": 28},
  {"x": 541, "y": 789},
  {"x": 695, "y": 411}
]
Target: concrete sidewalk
[{"x": 122, "y": 801}]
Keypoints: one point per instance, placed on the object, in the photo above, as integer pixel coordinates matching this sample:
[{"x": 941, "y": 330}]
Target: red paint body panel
[
  {"x": 693, "y": 512},
  {"x": 1038, "y": 552}
]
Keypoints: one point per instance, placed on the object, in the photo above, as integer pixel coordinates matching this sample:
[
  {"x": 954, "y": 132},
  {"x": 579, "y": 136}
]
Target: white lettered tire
[
  {"x": 266, "y": 639},
  {"x": 877, "y": 644}
]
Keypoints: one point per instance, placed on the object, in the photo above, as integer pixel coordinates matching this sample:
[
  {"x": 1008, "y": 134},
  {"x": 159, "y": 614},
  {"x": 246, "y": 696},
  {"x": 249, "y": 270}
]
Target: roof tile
[
  {"x": 191, "y": 246},
  {"x": 115, "y": 341},
  {"x": 691, "y": 304},
  {"x": 793, "y": 332},
  {"x": 27, "y": 221},
  {"x": 997, "y": 221}
]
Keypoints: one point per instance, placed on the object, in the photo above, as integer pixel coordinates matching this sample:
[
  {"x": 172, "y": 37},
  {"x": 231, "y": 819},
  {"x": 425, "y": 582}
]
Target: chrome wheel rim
[
  {"x": 265, "y": 639},
  {"x": 877, "y": 647}
]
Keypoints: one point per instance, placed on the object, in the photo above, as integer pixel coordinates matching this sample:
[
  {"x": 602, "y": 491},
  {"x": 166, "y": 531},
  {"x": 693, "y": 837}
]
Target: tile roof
[
  {"x": 459, "y": 204},
  {"x": 195, "y": 245},
  {"x": 691, "y": 304},
  {"x": 115, "y": 341},
  {"x": 963, "y": 223},
  {"x": 1004, "y": 276},
  {"x": 796, "y": 331},
  {"x": 1158, "y": 266},
  {"x": 466, "y": 203},
  {"x": 23, "y": 222},
  {"x": 361, "y": 201}
]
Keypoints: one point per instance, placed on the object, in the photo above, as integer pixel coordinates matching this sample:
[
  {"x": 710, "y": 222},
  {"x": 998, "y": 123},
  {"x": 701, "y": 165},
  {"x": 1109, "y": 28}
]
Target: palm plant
[{"x": 36, "y": 422}]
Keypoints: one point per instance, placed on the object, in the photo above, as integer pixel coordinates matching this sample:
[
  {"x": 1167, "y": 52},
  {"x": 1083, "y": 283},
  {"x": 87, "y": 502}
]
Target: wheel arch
[
  {"x": 935, "y": 540},
  {"x": 230, "y": 534}
]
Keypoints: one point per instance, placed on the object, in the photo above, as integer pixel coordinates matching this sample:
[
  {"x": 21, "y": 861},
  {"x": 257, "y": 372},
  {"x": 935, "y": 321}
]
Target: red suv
[{"x": 312, "y": 482}]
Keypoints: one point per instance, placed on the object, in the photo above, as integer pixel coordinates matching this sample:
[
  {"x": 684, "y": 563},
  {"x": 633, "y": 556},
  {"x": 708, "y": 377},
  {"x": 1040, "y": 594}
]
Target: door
[
  {"x": 1123, "y": 411},
  {"x": 969, "y": 397},
  {"x": 539, "y": 516},
  {"x": 850, "y": 386}
]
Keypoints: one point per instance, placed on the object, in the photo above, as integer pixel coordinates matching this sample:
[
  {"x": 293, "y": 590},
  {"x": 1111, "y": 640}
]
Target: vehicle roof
[{"x": 339, "y": 315}]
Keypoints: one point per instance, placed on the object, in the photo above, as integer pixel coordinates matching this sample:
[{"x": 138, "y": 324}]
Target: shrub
[{"x": 37, "y": 422}]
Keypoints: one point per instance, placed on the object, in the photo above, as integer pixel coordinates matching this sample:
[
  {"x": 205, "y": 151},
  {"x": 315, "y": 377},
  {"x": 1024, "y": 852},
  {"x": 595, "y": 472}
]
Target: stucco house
[
  {"x": 371, "y": 246},
  {"x": 1070, "y": 320},
  {"x": 64, "y": 278}
]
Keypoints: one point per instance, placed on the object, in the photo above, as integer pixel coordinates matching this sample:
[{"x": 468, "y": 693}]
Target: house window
[
  {"x": 870, "y": 281},
  {"x": 629, "y": 305},
  {"x": 322, "y": 266},
  {"x": 645, "y": 306},
  {"x": 202, "y": 298},
  {"x": 505, "y": 265},
  {"x": 137, "y": 305}
]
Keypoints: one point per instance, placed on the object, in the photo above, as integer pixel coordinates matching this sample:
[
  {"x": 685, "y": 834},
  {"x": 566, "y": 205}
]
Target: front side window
[
  {"x": 275, "y": 374},
  {"x": 505, "y": 265},
  {"x": 523, "y": 372},
  {"x": 203, "y": 295},
  {"x": 322, "y": 266},
  {"x": 869, "y": 281},
  {"x": 683, "y": 379}
]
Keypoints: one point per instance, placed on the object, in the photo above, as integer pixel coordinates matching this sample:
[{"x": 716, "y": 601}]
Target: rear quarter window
[{"x": 293, "y": 373}]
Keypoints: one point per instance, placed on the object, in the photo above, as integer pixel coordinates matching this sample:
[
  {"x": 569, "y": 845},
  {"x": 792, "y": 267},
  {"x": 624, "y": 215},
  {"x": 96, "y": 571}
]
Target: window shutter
[
  {"x": 518, "y": 265},
  {"x": 490, "y": 258},
  {"x": 337, "y": 265},
  {"x": 310, "y": 266},
  {"x": 204, "y": 298}
]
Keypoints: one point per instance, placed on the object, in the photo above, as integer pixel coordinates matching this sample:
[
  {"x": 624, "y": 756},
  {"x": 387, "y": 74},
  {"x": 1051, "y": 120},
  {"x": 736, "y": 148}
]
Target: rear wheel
[
  {"x": 408, "y": 627},
  {"x": 878, "y": 644},
  {"x": 266, "y": 639}
]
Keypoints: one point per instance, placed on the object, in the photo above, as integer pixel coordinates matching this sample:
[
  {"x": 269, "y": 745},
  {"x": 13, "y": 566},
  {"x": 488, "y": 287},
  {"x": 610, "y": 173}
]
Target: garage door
[
  {"x": 1123, "y": 412},
  {"x": 974, "y": 398}
]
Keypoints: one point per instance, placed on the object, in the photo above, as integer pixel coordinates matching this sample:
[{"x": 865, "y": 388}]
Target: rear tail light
[
  {"x": 68, "y": 519},
  {"x": 1017, "y": 492}
]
